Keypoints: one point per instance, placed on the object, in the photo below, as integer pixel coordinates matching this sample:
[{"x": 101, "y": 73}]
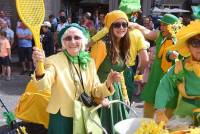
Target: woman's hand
[
  {"x": 160, "y": 116},
  {"x": 105, "y": 102},
  {"x": 38, "y": 55},
  {"x": 132, "y": 25},
  {"x": 113, "y": 76}
]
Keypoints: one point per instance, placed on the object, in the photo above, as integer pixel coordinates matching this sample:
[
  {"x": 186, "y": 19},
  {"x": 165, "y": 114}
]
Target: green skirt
[
  {"x": 116, "y": 112},
  {"x": 129, "y": 74},
  {"x": 59, "y": 124}
]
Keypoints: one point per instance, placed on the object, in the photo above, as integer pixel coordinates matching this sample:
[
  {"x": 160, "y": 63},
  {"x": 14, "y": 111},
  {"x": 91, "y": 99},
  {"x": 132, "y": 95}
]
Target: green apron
[{"x": 155, "y": 74}]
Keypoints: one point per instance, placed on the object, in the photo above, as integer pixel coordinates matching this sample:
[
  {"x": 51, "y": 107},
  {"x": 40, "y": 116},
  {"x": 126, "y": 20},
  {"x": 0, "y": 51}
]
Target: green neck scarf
[{"x": 82, "y": 59}]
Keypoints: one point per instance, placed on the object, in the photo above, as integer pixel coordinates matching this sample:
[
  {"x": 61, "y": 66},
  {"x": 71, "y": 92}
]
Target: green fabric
[
  {"x": 167, "y": 91},
  {"x": 116, "y": 112},
  {"x": 109, "y": 117},
  {"x": 82, "y": 123},
  {"x": 83, "y": 58},
  {"x": 83, "y": 29},
  {"x": 130, "y": 6},
  {"x": 10, "y": 117},
  {"x": 59, "y": 124},
  {"x": 129, "y": 74},
  {"x": 196, "y": 11},
  {"x": 169, "y": 19},
  {"x": 155, "y": 74}
]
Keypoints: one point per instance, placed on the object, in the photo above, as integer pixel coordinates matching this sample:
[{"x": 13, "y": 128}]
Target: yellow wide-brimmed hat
[{"x": 184, "y": 34}]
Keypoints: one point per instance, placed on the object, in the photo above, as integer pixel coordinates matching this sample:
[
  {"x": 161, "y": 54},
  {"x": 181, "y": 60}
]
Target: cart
[{"x": 127, "y": 126}]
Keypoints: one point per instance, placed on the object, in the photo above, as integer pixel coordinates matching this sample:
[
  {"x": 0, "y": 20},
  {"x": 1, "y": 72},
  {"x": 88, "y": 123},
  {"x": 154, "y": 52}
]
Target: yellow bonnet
[
  {"x": 184, "y": 34},
  {"x": 109, "y": 19}
]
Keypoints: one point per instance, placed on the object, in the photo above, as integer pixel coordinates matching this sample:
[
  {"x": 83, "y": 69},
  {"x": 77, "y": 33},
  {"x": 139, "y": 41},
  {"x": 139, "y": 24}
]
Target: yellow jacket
[{"x": 58, "y": 78}]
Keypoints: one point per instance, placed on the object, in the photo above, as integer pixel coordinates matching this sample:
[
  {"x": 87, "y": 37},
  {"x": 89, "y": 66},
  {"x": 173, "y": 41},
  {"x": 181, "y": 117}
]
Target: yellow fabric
[
  {"x": 165, "y": 65},
  {"x": 181, "y": 86},
  {"x": 138, "y": 77},
  {"x": 32, "y": 105},
  {"x": 58, "y": 78},
  {"x": 100, "y": 34},
  {"x": 123, "y": 86},
  {"x": 194, "y": 66},
  {"x": 184, "y": 34},
  {"x": 113, "y": 16},
  {"x": 137, "y": 44},
  {"x": 98, "y": 53}
]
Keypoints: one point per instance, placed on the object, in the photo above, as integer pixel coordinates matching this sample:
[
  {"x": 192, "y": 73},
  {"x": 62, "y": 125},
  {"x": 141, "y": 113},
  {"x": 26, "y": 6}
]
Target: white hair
[{"x": 83, "y": 37}]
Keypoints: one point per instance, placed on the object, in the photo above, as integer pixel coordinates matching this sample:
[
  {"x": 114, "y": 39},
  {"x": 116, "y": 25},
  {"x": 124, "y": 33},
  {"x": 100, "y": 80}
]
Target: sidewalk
[{"x": 10, "y": 91}]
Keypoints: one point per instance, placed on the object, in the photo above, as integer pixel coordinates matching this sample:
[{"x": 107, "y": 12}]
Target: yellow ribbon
[
  {"x": 165, "y": 65},
  {"x": 194, "y": 66}
]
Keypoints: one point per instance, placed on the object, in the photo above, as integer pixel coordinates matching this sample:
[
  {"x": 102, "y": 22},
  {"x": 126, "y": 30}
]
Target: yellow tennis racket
[{"x": 32, "y": 13}]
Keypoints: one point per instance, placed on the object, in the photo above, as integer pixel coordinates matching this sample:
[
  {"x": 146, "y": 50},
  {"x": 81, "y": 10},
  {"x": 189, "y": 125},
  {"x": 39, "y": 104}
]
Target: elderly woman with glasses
[
  {"x": 68, "y": 74},
  {"x": 112, "y": 53},
  {"x": 182, "y": 82}
]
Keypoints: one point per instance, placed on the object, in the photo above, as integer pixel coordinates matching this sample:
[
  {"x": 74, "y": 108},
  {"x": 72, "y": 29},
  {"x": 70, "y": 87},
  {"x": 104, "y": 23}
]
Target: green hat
[
  {"x": 196, "y": 11},
  {"x": 130, "y": 6},
  {"x": 168, "y": 19},
  {"x": 83, "y": 29}
]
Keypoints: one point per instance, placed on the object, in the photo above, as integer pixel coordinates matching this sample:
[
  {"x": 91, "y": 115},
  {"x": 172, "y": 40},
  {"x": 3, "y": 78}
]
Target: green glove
[{"x": 10, "y": 117}]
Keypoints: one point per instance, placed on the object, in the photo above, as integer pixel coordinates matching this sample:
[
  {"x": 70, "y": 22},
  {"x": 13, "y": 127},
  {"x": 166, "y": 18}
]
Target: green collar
[{"x": 83, "y": 58}]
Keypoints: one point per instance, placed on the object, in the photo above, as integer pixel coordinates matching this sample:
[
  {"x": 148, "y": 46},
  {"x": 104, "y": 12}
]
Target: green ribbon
[
  {"x": 178, "y": 78},
  {"x": 83, "y": 58},
  {"x": 10, "y": 117}
]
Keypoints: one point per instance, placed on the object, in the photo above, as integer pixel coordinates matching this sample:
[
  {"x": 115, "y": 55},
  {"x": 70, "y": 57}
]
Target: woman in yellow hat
[
  {"x": 183, "y": 80},
  {"x": 112, "y": 53}
]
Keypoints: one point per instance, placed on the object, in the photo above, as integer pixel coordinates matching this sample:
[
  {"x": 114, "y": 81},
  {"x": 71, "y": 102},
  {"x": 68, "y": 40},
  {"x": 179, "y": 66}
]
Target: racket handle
[
  {"x": 40, "y": 65},
  {"x": 40, "y": 68}
]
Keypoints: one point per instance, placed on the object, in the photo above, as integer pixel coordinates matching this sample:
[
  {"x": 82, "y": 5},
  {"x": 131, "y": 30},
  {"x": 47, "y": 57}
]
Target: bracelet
[{"x": 138, "y": 77}]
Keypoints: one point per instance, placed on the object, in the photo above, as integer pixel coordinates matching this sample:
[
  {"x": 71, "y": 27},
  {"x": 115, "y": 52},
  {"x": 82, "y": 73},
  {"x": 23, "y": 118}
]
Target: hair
[
  {"x": 83, "y": 37},
  {"x": 2, "y": 33},
  {"x": 124, "y": 47}
]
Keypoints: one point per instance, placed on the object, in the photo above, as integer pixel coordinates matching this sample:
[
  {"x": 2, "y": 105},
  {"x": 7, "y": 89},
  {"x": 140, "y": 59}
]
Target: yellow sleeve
[
  {"x": 140, "y": 41},
  {"x": 123, "y": 85},
  {"x": 98, "y": 53}
]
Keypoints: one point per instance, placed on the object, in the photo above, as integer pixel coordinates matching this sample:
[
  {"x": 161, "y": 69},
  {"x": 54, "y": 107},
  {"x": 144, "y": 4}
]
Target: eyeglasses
[
  {"x": 119, "y": 24},
  {"x": 69, "y": 38},
  {"x": 195, "y": 43}
]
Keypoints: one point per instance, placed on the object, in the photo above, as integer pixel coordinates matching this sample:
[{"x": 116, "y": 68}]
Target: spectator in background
[
  {"x": 62, "y": 23},
  {"x": 7, "y": 19},
  {"x": 88, "y": 23},
  {"x": 101, "y": 20},
  {"x": 54, "y": 22},
  {"x": 148, "y": 23},
  {"x": 9, "y": 33},
  {"x": 47, "y": 39},
  {"x": 25, "y": 37},
  {"x": 5, "y": 56}
]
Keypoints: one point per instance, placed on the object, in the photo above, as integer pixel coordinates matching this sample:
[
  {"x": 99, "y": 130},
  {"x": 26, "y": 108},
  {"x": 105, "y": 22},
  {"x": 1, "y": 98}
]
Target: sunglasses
[
  {"x": 120, "y": 24},
  {"x": 69, "y": 38},
  {"x": 195, "y": 43}
]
